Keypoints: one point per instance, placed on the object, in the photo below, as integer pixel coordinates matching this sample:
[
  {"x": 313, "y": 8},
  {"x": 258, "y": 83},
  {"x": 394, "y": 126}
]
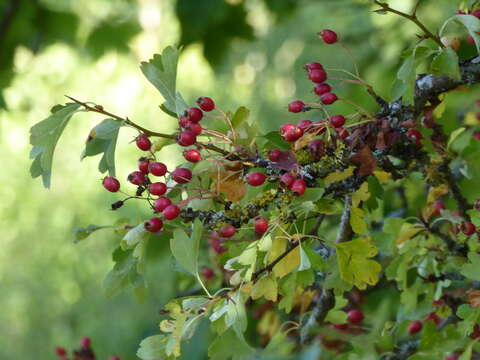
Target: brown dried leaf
[
  {"x": 304, "y": 140},
  {"x": 230, "y": 184},
  {"x": 365, "y": 161},
  {"x": 473, "y": 298}
]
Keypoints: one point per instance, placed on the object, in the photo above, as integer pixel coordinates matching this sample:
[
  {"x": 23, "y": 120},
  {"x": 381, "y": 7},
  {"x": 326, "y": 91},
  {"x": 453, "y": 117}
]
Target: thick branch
[{"x": 345, "y": 231}]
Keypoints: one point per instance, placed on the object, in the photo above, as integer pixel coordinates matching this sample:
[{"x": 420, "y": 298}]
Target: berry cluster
[{"x": 85, "y": 352}]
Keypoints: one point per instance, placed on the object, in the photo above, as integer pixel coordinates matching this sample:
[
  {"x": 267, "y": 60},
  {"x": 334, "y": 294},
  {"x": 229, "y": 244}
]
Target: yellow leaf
[
  {"x": 339, "y": 175},
  {"x": 289, "y": 263},
  {"x": 167, "y": 326},
  {"x": 269, "y": 324},
  {"x": 407, "y": 231},
  {"x": 382, "y": 176},
  {"x": 303, "y": 141},
  {"x": 361, "y": 194},
  {"x": 359, "y": 226},
  {"x": 266, "y": 287},
  {"x": 249, "y": 257},
  {"x": 470, "y": 119},
  {"x": 265, "y": 243},
  {"x": 439, "y": 110},
  {"x": 436, "y": 192}
]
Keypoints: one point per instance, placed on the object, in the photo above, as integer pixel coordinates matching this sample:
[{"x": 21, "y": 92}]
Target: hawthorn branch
[{"x": 345, "y": 231}]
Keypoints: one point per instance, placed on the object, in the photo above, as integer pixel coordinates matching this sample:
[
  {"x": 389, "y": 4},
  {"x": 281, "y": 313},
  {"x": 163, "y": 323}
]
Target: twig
[
  {"x": 321, "y": 307},
  {"x": 345, "y": 231}
]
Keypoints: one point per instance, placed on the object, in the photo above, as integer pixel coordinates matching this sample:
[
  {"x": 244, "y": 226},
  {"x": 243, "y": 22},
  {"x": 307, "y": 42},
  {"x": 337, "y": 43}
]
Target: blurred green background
[{"x": 238, "y": 52}]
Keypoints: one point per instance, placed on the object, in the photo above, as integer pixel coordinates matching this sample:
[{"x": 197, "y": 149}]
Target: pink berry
[
  {"x": 328, "y": 98},
  {"x": 415, "y": 327},
  {"x": 316, "y": 148},
  {"x": 305, "y": 125},
  {"x": 287, "y": 179},
  {"x": 196, "y": 128},
  {"x": 296, "y": 106},
  {"x": 317, "y": 75},
  {"x": 437, "y": 207},
  {"x": 274, "y": 155},
  {"x": 468, "y": 228},
  {"x": 313, "y": 66},
  {"x": 192, "y": 155},
  {"x": 261, "y": 226},
  {"x": 157, "y": 168},
  {"x": 136, "y": 178},
  {"x": 298, "y": 187},
  {"x": 227, "y": 231},
  {"x": 182, "y": 175},
  {"x": 194, "y": 114},
  {"x": 337, "y": 120},
  {"x": 415, "y": 136},
  {"x": 153, "y": 225},
  {"x": 186, "y": 138},
  {"x": 157, "y": 188},
  {"x": 355, "y": 316},
  {"x": 183, "y": 121},
  {"x": 111, "y": 184},
  {"x": 171, "y": 212},
  {"x": 143, "y": 142},
  {"x": 143, "y": 165},
  {"x": 206, "y": 103},
  {"x": 256, "y": 178},
  {"x": 60, "y": 351},
  {"x": 161, "y": 203},
  {"x": 321, "y": 89},
  {"x": 85, "y": 342},
  {"x": 329, "y": 36}
]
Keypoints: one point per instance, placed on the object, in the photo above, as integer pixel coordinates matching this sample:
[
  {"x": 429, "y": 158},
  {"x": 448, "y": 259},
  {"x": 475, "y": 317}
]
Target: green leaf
[
  {"x": 358, "y": 224},
  {"x": 454, "y": 135},
  {"x": 405, "y": 83},
  {"x": 471, "y": 23},
  {"x": 153, "y": 348},
  {"x": 83, "y": 233},
  {"x": 103, "y": 139},
  {"x": 446, "y": 63},
  {"x": 229, "y": 346},
  {"x": 44, "y": 137},
  {"x": 470, "y": 317},
  {"x": 304, "y": 260},
  {"x": 240, "y": 116},
  {"x": 133, "y": 237},
  {"x": 275, "y": 139},
  {"x": 336, "y": 315},
  {"x": 472, "y": 269},
  {"x": 123, "y": 273},
  {"x": 185, "y": 248}
]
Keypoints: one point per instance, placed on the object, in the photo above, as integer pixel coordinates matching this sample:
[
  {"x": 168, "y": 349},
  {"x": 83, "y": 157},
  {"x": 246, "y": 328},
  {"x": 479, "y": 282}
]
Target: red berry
[
  {"x": 434, "y": 317},
  {"x": 182, "y": 175},
  {"x": 291, "y": 132},
  {"x": 337, "y": 120},
  {"x": 298, "y": 187},
  {"x": 85, "y": 342},
  {"x": 476, "y": 13},
  {"x": 194, "y": 114},
  {"x": 341, "y": 327},
  {"x": 153, "y": 225},
  {"x": 60, "y": 351},
  {"x": 329, "y": 36},
  {"x": 187, "y": 138},
  {"x": 305, "y": 125},
  {"x": 183, "y": 121},
  {"x": 171, "y": 212},
  {"x": 321, "y": 89},
  {"x": 192, "y": 155},
  {"x": 355, "y": 316},
  {"x": 205, "y": 103},
  {"x": 316, "y": 148},
  {"x": 437, "y": 207},
  {"x": 296, "y": 106},
  {"x": 161, "y": 203},
  {"x": 114, "y": 357},
  {"x": 274, "y": 155},
  {"x": 468, "y": 228},
  {"x": 227, "y": 231},
  {"x": 111, "y": 184},
  {"x": 451, "y": 357},
  {"x": 470, "y": 40},
  {"x": 415, "y": 136},
  {"x": 143, "y": 165},
  {"x": 476, "y": 135},
  {"x": 261, "y": 226},
  {"x": 216, "y": 244},
  {"x": 136, "y": 178},
  {"x": 313, "y": 65},
  {"x": 208, "y": 273},
  {"x": 415, "y": 327},
  {"x": 157, "y": 188},
  {"x": 460, "y": 12},
  {"x": 287, "y": 179},
  {"x": 342, "y": 133},
  {"x": 143, "y": 142},
  {"x": 196, "y": 128},
  {"x": 328, "y": 98},
  {"x": 157, "y": 168},
  {"x": 256, "y": 178},
  {"x": 317, "y": 75}
]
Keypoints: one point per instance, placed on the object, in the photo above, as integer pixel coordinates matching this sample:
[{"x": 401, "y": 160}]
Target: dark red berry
[
  {"x": 415, "y": 136},
  {"x": 216, "y": 244},
  {"x": 437, "y": 207},
  {"x": 287, "y": 179},
  {"x": 313, "y": 65},
  {"x": 451, "y": 357},
  {"x": 355, "y": 316},
  {"x": 171, "y": 212},
  {"x": 343, "y": 133},
  {"x": 136, "y": 178},
  {"x": 256, "y": 178},
  {"x": 468, "y": 228},
  {"x": 143, "y": 165},
  {"x": 196, "y": 128},
  {"x": 194, "y": 114},
  {"x": 208, "y": 273},
  {"x": 111, "y": 184},
  {"x": 337, "y": 120},
  {"x": 205, "y": 103},
  {"x": 261, "y": 226},
  {"x": 182, "y": 175},
  {"x": 298, "y": 187},
  {"x": 321, "y": 89},
  {"x": 296, "y": 106},
  {"x": 316, "y": 148},
  {"x": 317, "y": 75},
  {"x": 274, "y": 155},
  {"x": 305, "y": 125},
  {"x": 157, "y": 188},
  {"x": 187, "y": 138},
  {"x": 291, "y": 132},
  {"x": 85, "y": 342},
  {"x": 341, "y": 327},
  {"x": 227, "y": 231},
  {"x": 476, "y": 135},
  {"x": 192, "y": 155},
  {"x": 434, "y": 317},
  {"x": 153, "y": 225},
  {"x": 60, "y": 351},
  {"x": 328, "y": 98},
  {"x": 157, "y": 168},
  {"x": 161, "y": 203},
  {"x": 143, "y": 142},
  {"x": 476, "y": 13},
  {"x": 415, "y": 327},
  {"x": 329, "y": 36},
  {"x": 183, "y": 121}
]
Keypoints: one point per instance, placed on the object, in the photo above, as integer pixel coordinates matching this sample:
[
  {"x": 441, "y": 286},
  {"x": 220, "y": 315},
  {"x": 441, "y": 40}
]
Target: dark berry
[
  {"x": 60, "y": 351},
  {"x": 143, "y": 142},
  {"x": 157, "y": 168},
  {"x": 437, "y": 207},
  {"x": 337, "y": 120},
  {"x": 161, "y": 203},
  {"x": 182, "y": 175},
  {"x": 305, "y": 125},
  {"x": 296, "y": 106},
  {"x": 111, "y": 184},
  {"x": 187, "y": 138},
  {"x": 316, "y": 148},
  {"x": 256, "y": 178},
  {"x": 313, "y": 66},
  {"x": 196, "y": 128},
  {"x": 171, "y": 212},
  {"x": 216, "y": 244},
  {"x": 153, "y": 225},
  {"x": 85, "y": 342},
  {"x": 415, "y": 136},
  {"x": 434, "y": 317},
  {"x": 329, "y": 36},
  {"x": 476, "y": 13},
  {"x": 192, "y": 155},
  {"x": 136, "y": 177},
  {"x": 328, "y": 98},
  {"x": 341, "y": 327},
  {"x": 415, "y": 327},
  {"x": 274, "y": 155},
  {"x": 298, "y": 187},
  {"x": 143, "y": 165},
  {"x": 157, "y": 188},
  {"x": 343, "y": 133},
  {"x": 194, "y": 114},
  {"x": 468, "y": 228},
  {"x": 451, "y": 357},
  {"x": 321, "y": 89},
  {"x": 355, "y": 316},
  {"x": 208, "y": 273},
  {"x": 205, "y": 103},
  {"x": 476, "y": 135},
  {"x": 287, "y": 179},
  {"x": 183, "y": 122},
  {"x": 261, "y": 226},
  {"x": 317, "y": 75},
  {"x": 227, "y": 231}
]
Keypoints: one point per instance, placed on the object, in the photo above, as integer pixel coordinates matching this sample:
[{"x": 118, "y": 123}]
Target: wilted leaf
[
  {"x": 365, "y": 161},
  {"x": 230, "y": 184},
  {"x": 266, "y": 287},
  {"x": 339, "y": 175},
  {"x": 83, "y": 233},
  {"x": 473, "y": 298}
]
